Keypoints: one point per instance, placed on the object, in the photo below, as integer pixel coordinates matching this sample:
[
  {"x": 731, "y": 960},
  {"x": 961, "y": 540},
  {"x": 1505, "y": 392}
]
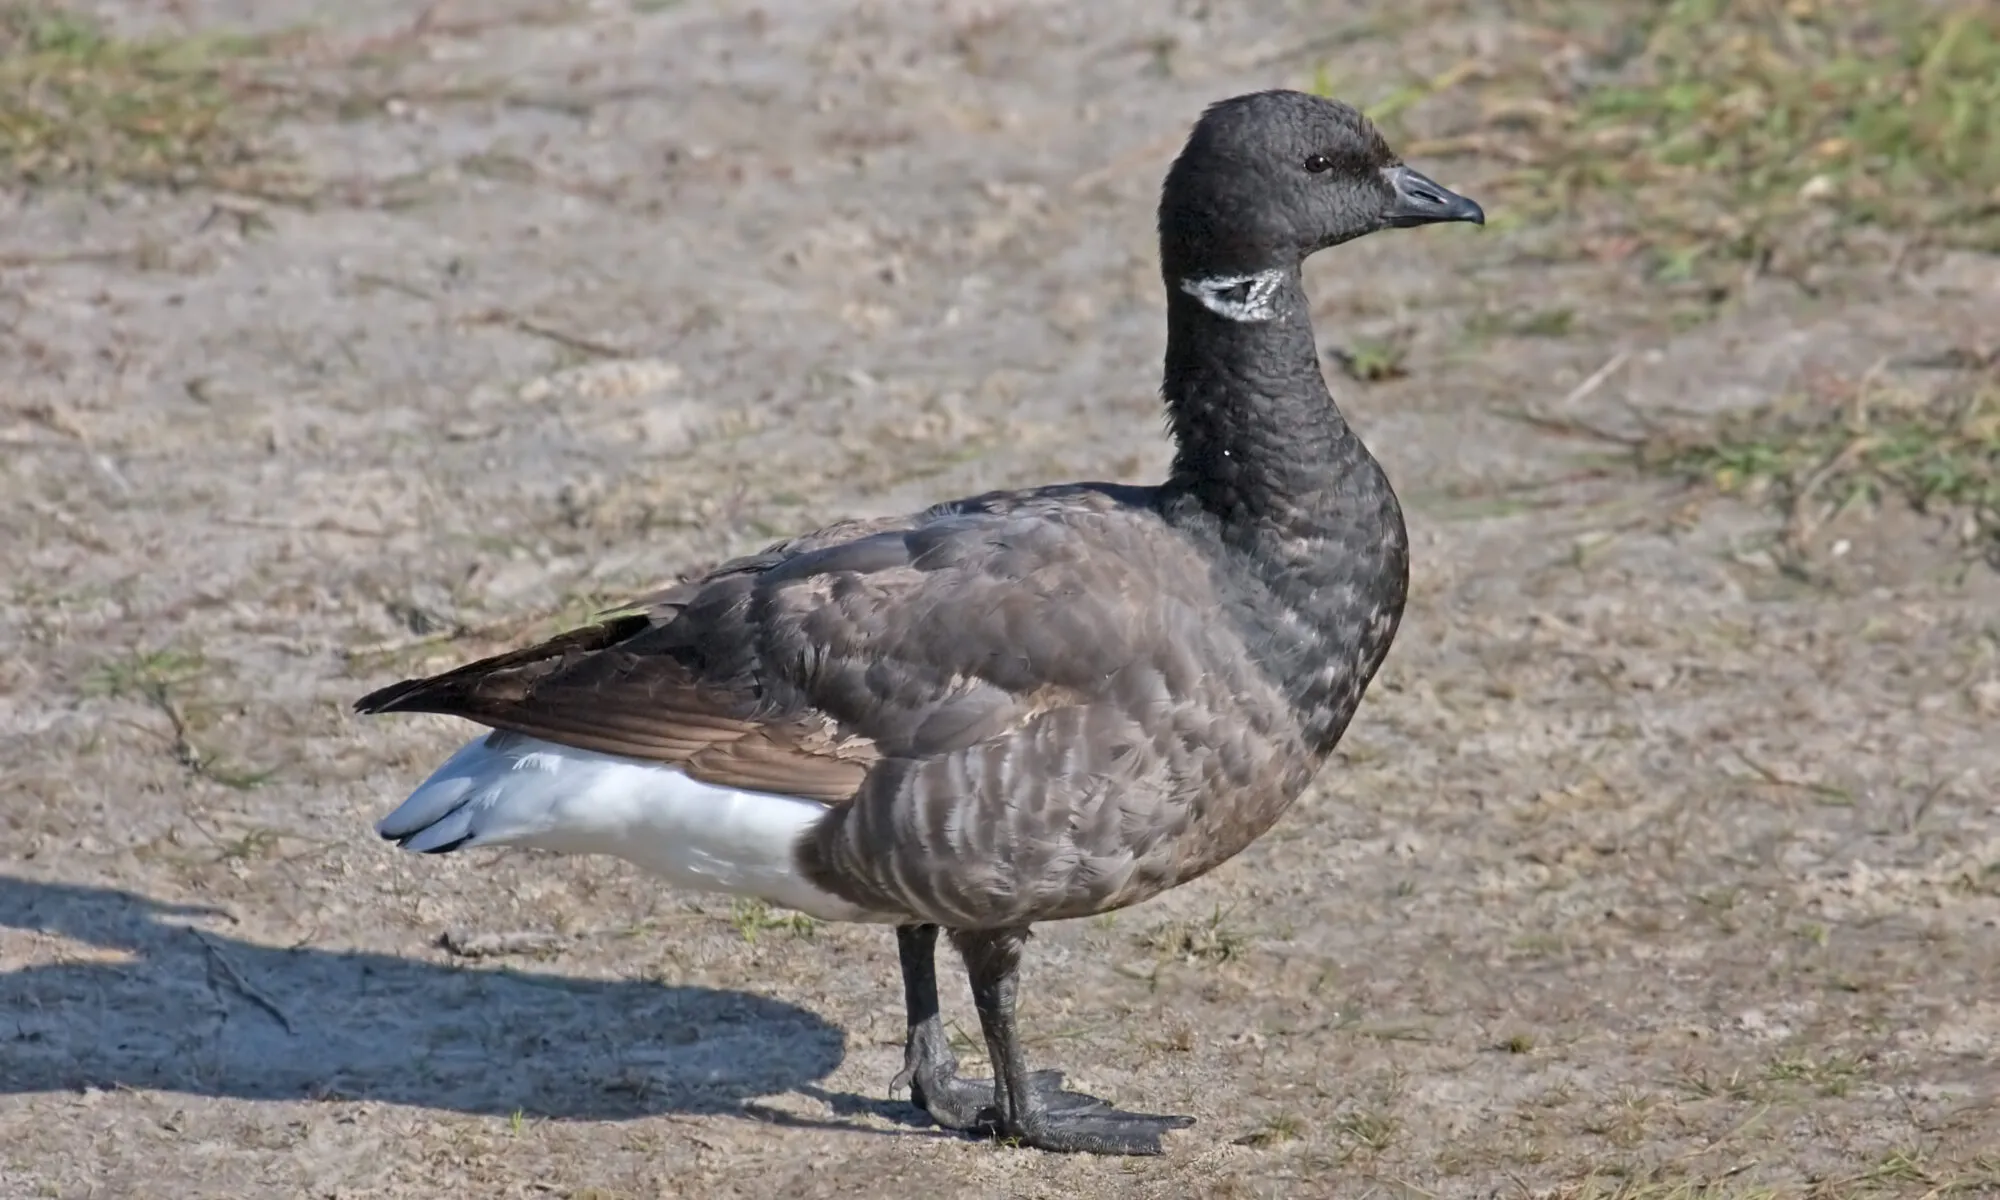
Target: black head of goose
[{"x": 1018, "y": 707}]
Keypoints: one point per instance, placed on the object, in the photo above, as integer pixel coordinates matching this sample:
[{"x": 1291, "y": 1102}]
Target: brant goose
[{"x": 1019, "y": 707}]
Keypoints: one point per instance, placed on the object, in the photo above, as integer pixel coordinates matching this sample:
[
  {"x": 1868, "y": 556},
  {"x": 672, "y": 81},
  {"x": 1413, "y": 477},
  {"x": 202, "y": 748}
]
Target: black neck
[
  {"x": 1269, "y": 470},
  {"x": 1260, "y": 440}
]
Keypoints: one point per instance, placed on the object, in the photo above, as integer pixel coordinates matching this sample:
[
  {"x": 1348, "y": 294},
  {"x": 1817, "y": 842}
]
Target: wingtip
[
  {"x": 384, "y": 699},
  {"x": 445, "y": 693}
]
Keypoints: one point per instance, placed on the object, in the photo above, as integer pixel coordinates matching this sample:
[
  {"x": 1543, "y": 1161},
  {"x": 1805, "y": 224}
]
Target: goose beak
[{"x": 1422, "y": 201}]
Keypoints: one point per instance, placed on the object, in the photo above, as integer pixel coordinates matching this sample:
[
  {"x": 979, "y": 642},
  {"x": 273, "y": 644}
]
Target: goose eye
[{"x": 1318, "y": 163}]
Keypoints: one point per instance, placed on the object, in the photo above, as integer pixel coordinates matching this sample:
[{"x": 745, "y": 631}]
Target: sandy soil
[{"x": 1648, "y": 868}]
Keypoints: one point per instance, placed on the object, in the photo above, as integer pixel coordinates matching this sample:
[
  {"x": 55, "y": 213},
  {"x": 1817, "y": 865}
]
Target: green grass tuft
[
  {"x": 1696, "y": 137},
  {"x": 80, "y": 107},
  {"x": 753, "y": 918},
  {"x": 1887, "y": 113},
  {"x": 143, "y": 673},
  {"x": 1939, "y": 454},
  {"x": 1372, "y": 361}
]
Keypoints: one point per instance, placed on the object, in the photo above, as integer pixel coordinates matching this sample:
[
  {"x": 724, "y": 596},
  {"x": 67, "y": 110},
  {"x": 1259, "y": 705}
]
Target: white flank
[{"x": 507, "y": 790}]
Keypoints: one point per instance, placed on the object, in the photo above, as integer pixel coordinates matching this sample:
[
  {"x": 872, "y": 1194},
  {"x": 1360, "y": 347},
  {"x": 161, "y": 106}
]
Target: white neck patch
[{"x": 1239, "y": 297}]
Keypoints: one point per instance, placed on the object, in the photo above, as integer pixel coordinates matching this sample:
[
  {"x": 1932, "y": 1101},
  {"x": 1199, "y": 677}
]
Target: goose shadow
[{"x": 162, "y": 1005}]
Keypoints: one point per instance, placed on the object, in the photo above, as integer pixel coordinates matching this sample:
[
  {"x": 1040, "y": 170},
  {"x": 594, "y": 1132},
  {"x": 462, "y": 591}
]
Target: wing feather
[{"x": 797, "y": 669}]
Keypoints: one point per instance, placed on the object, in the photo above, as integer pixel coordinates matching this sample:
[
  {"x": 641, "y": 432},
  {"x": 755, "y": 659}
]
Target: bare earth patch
[{"x": 1663, "y": 861}]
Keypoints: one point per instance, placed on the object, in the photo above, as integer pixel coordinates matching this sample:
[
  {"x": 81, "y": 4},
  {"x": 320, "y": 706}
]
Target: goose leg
[
  {"x": 929, "y": 1069},
  {"x": 1025, "y": 1111}
]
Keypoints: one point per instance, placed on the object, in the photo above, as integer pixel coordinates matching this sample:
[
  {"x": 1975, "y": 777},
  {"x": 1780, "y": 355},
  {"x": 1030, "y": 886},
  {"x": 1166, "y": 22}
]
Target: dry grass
[
  {"x": 80, "y": 107},
  {"x": 1938, "y": 453},
  {"x": 1210, "y": 940},
  {"x": 1703, "y": 138},
  {"x": 1844, "y": 447},
  {"x": 170, "y": 683},
  {"x": 1850, "y": 447},
  {"x": 1724, "y": 123}
]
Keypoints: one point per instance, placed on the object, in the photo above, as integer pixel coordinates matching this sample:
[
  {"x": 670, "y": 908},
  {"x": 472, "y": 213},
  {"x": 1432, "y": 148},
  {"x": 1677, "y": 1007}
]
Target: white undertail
[{"x": 507, "y": 790}]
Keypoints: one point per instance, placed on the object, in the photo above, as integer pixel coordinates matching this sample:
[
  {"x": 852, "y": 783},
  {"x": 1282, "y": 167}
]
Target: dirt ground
[{"x": 1663, "y": 861}]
